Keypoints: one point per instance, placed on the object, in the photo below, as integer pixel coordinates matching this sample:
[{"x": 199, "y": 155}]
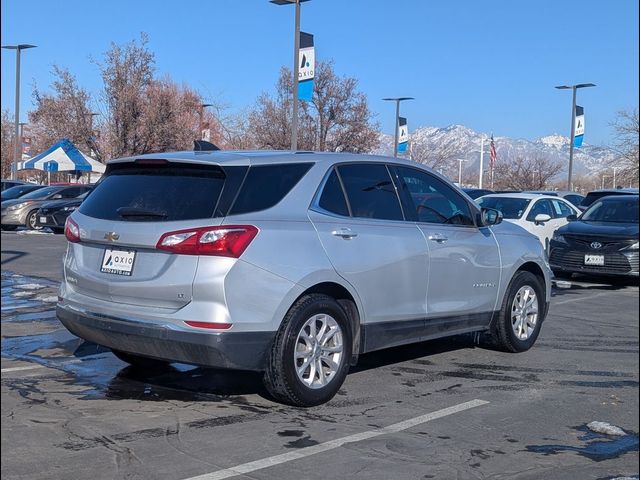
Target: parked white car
[{"x": 539, "y": 214}]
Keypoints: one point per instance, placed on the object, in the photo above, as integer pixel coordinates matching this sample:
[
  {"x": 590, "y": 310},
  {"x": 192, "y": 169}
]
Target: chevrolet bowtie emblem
[{"x": 111, "y": 236}]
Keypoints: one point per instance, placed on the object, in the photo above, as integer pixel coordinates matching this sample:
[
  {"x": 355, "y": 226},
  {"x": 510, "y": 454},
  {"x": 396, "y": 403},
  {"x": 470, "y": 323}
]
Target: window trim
[
  {"x": 315, "y": 203},
  {"x": 473, "y": 209}
]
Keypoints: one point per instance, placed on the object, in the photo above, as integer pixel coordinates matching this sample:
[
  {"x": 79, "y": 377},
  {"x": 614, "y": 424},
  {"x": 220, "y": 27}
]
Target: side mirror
[
  {"x": 491, "y": 216},
  {"x": 57, "y": 196},
  {"x": 541, "y": 218},
  {"x": 572, "y": 218}
]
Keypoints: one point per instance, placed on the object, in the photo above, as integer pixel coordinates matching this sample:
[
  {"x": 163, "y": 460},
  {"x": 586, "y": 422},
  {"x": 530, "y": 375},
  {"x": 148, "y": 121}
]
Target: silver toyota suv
[{"x": 291, "y": 264}]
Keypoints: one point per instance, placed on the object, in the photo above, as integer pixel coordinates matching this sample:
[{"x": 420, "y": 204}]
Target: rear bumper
[{"x": 231, "y": 350}]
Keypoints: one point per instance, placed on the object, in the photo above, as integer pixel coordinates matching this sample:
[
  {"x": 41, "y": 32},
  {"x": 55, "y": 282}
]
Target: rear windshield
[
  {"x": 593, "y": 196},
  {"x": 175, "y": 191},
  {"x": 131, "y": 192},
  {"x": 511, "y": 207}
]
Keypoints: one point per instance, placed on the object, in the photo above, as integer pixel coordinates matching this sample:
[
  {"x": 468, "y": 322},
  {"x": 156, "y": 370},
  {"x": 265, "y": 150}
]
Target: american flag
[{"x": 492, "y": 152}]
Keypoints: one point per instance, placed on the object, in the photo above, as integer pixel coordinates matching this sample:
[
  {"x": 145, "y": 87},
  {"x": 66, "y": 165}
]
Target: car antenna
[{"x": 204, "y": 146}]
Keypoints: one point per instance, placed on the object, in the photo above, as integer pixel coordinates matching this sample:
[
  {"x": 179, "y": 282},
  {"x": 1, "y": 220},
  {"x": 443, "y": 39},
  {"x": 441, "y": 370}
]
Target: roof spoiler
[{"x": 204, "y": 146}]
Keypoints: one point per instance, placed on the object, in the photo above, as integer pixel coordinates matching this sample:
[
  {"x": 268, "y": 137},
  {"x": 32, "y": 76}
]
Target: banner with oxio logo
[
  {"x": 403, "y": 135},
  {"x": 578, "y": 133},
  {"x": 306, "y": 67}
]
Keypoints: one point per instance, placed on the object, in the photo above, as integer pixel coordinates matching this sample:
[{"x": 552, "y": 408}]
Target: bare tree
[
  {"x": 627, "y": 138},
  {"x": 127, "y": 71},
  {"x": 337, "y": 119},
  {"x": 6, "y": 139},
  {"x": 526, "y": 173},
  {"x": 170, "y": 118},
  {"x": 62, "y": 113},
  {"x": 438, "y": 155}
]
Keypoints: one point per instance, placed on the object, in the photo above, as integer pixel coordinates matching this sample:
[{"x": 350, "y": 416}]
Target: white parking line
[
  {"x": 332, "y": 444},
  {"x": 19, "y": 369},
  {"x": 36, "y": 366},
  {"x": 580, "y": 299}
]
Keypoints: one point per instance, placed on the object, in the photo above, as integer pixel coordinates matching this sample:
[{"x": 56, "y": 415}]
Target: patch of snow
[
  {"x": 47, "y": 298},
  {"x": 606, "y": 428},
  {"x": 21, "y": 294},
  {"x": 30, "y": 286},
  {"x": 44, "y": 231}
]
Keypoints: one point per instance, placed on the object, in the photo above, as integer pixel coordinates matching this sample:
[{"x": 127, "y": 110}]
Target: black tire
[
  {"x": 280, "y": 377},
  {"x": 9, "y": 228},
  {"x": 32, "y": 217},
  {"x": 504, "y": 336},
  {"x": 140, "y": 362}
]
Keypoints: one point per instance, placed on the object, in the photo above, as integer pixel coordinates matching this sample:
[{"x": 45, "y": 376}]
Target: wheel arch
[
  {"x": 535, "y": 269},
  {"x": 348, "y": 302}
]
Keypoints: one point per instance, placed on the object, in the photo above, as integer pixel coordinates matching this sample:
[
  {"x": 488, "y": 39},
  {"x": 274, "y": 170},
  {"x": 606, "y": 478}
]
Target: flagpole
[
  {"x": 481, "y": 161},
  {"x": 492, "y": 162}
]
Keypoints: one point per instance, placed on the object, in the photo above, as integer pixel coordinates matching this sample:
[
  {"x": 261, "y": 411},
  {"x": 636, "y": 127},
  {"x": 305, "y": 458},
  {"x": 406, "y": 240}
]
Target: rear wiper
[{"x": 125, "y": 212}]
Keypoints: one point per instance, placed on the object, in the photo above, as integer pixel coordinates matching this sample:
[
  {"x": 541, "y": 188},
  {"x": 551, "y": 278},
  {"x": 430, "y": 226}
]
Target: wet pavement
[{"x": 72, "y": 410}]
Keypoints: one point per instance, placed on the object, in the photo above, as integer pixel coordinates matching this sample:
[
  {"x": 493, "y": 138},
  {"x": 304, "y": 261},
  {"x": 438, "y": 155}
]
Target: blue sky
[{"x": 490, "y": 65}]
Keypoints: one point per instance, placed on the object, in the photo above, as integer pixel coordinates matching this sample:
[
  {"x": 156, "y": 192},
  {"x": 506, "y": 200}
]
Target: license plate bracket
[
  {"x": 118, "y": 262},
  {"x": 594, "y": 260}
]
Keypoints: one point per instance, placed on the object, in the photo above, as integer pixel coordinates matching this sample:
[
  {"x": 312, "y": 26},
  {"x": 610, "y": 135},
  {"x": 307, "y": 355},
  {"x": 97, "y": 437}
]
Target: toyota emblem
[{"x": 596, "y": 245}]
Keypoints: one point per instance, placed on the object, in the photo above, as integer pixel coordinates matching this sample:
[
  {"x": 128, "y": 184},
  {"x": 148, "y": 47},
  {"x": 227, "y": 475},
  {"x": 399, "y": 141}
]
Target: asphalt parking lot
[{"x": 448, "y": 409}]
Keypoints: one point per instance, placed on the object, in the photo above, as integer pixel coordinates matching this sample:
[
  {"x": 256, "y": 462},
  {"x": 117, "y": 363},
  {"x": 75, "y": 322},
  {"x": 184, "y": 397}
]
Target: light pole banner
[
  {"x": 578, "y": 133},
  {"x": 403, "y": 135},
  {"x": 307, "y": 66}
]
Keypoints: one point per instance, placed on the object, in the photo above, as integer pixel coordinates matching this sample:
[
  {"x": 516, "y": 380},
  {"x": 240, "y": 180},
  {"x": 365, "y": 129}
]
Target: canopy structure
[{"x": 64, "y": 156}]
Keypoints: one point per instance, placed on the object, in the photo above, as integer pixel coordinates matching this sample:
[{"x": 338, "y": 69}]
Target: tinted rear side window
[
  {"x": 266, "y": 185},
  {"x": 132, "y": 192},
  {"x": 370, "y": 191},
  {"x": 332, "y": 198}
]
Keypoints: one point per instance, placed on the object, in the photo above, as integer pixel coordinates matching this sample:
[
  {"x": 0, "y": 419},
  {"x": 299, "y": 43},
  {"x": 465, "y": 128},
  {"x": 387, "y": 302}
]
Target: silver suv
[{"x": 291, "y": 264}]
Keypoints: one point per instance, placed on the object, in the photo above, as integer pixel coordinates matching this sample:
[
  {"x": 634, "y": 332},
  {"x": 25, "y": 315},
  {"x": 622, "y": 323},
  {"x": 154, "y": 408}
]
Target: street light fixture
[
  {"x": 92, "y": 142},
  {"x": 395, "y": 136},
  {"x": 296, "y": 68},
  {"x": 573, "y": 125},
  {"x": 16, "y": 152},
  {"x": 202, "y": 107}
]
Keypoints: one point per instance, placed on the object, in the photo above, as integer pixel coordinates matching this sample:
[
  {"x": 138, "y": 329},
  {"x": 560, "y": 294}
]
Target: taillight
[
  {"x": 223, "y": 241},
  {"x": 71, "y": 230}
]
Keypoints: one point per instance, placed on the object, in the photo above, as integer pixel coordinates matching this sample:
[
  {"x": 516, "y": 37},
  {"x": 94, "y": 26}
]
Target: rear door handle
[
  {"x": 438, "y": 237},
  {"x": 344, "y": 233}
]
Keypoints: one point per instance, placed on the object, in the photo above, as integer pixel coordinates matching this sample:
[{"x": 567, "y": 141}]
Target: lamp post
[
  {"x": 615, "y": 170},
  {"x": 92, "y": 142},
  {"x": 296, "y": 68},
  {"x": 460, "y": 162},
  {"x": 573, "y": 88},
  {"x": 202, "y": 107},
  {"x": 17, "y": 156},
  {"x": 395, "y": 136}
]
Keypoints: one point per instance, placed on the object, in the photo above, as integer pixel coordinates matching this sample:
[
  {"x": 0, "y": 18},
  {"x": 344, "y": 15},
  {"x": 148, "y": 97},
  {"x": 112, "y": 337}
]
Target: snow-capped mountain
[{"x": 459, "y": 142}]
